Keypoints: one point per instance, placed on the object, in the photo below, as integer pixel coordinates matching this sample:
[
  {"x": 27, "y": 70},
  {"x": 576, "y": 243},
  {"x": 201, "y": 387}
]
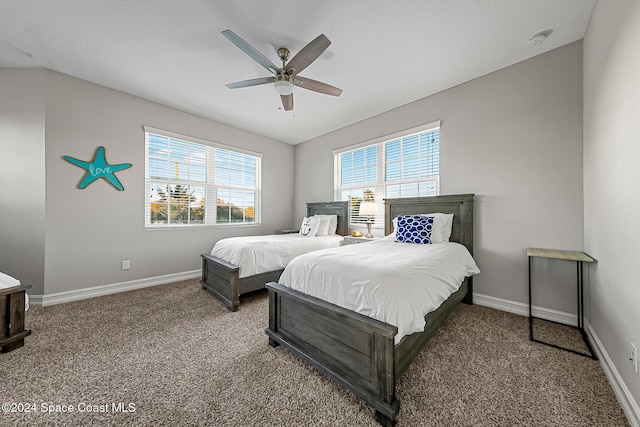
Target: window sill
[{"x": 197, "y": 226}]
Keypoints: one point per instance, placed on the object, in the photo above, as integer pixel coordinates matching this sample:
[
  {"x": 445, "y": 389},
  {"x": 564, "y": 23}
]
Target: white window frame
[
  {"x": 380, "y": 186},
  {"x": 210, "y": 185}
]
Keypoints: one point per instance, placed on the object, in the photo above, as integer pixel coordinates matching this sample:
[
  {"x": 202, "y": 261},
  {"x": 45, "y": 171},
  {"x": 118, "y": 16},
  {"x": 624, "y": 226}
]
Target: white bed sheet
[
  {"x": 261, "y": 254},
  {"x": 397, "y": 283}
]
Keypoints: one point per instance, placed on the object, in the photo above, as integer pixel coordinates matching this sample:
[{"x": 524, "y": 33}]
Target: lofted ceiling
[{"x": 383, "y": 54}]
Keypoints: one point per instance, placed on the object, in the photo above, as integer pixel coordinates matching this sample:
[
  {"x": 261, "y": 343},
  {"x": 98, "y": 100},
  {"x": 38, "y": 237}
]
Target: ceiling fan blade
[
  {"x": 287, "y": 102},
  {"x": 316, "y": 86},
  {"x": 251, "y": 51},
  {"x": 308, "y": 54},
  {"x": 251, "y": 82}
]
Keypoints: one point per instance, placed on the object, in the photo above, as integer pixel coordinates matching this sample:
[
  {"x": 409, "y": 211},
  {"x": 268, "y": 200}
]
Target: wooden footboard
[
  {"x": 223, "y": 280},
  {"x": 356, "y": 351}
]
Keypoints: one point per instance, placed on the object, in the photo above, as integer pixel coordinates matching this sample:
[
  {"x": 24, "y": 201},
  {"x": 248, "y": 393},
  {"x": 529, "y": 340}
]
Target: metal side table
[{"x": 579, "y": 257}]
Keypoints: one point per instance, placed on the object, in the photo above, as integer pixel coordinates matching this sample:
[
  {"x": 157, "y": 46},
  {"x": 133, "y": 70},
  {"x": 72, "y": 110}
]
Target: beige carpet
[{"x": 180, "y": 359}]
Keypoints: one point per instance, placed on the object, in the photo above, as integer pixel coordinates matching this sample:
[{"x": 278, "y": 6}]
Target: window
[
  {"x": 191, "y": 182},
  {"x": 358, "y": 178},
  {"x": 406, "y": 164}
]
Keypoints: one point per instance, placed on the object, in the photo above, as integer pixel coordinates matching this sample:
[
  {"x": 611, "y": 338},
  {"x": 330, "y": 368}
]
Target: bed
[
  {"x": 224, "y": 279},
  {"x": 358, "y": 351}
]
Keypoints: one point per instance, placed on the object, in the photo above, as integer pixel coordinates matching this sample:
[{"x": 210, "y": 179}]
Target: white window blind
[
  {"x": 406, "y": 164},
  {"x": 358, "y": 179},
  {"x": 191, "y": 182},
  {"x": 412, "y": 165}
]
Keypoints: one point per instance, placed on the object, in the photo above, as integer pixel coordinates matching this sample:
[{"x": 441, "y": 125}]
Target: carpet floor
[{"x": 172, "y": 355}]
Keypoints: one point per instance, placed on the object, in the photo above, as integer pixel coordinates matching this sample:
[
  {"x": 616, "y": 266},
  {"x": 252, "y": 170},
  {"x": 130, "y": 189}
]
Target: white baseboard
[
  {"x": 626, "y": 400},
  {"x": 96, "y": 291},
  {"x": 523, "y": 309},
  {"x": 624, "y": 396}
]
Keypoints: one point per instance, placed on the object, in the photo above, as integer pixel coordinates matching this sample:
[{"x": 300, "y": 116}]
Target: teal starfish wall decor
[{"x": 99, "y": 168}]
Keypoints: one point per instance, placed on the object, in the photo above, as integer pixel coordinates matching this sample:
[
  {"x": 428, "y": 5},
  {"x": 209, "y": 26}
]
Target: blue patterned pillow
[{"x": 414, "y": 229}]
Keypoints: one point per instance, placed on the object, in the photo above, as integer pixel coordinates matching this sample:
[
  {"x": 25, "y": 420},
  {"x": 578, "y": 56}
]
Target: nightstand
[
  {"x": 351, "y": 240},
  {"x": 579, "y": 257},
  {"x": 288, "y": 231}
]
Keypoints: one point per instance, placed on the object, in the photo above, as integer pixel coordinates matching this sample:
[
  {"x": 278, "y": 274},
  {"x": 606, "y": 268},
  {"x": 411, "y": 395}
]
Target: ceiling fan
[{"x": 286, "y": 77}]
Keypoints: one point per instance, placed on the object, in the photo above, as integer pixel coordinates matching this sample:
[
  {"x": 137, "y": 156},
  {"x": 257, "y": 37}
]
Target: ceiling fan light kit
[
  {"x": 286, "y": 77},
  {"x": 283, "y": 87}
]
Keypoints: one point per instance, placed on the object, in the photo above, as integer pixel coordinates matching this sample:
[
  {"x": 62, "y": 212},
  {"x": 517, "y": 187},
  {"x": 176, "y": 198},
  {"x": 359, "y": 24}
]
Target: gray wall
[
  {"x": 611, "y": 180},
  {"x": 22, "y": 174},
  {"x": 88, "y": 232},
  {"x": 512, "y": 137}
]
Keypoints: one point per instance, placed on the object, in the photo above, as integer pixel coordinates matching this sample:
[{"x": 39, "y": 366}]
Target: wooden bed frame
[
  {"x": 12, "y": 331},
  {"x": 222, "y": 278},
  {"x": 357, "y": 351}
]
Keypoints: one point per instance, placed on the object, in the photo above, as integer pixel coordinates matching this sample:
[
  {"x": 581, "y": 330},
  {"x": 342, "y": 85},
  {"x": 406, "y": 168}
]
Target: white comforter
[
  {"x": 261, "y": 254},
  {"x": 7, "y": 281},
  {"x": 397, "y": 283}
]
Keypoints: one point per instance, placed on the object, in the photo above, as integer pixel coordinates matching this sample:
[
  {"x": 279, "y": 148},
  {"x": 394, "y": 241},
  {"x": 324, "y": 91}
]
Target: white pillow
[
  {"x": 442, "y": 224},
  {"x": 309, "y": 227},
  {"x": 323, "y": 229},
  {"x": 333, "y": 223}
]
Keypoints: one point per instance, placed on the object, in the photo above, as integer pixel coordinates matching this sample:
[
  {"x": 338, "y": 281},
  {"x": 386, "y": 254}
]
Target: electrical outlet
[
  {"x": 634, "y": 357},
  {"x": 126, "y": 264}
]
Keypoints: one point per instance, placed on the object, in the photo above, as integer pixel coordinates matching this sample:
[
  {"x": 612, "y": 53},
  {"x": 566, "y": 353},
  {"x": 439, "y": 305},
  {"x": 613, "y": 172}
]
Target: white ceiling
[{"x": 383, "y": 53}]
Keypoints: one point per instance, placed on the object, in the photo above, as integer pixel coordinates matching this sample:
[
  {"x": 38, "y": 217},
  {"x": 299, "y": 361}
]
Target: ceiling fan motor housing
[{"x": 284, "y": 53}]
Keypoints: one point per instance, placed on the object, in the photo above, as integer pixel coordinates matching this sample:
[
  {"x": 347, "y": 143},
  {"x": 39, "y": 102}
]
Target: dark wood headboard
[
  {"x": 341, "y": 209},
  {"x": 460, "y": 205}
]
